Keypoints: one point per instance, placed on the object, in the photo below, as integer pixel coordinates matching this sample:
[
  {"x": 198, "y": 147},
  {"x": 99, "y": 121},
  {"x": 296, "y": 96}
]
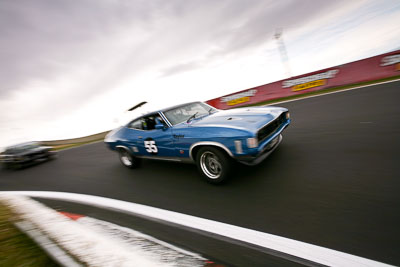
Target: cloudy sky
[{"x": 73, "y": 68}]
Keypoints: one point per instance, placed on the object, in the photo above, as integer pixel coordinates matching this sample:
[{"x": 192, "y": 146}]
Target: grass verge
[
  {"x": 17, "y": 249},
  {"x": 65, "y": 146}
]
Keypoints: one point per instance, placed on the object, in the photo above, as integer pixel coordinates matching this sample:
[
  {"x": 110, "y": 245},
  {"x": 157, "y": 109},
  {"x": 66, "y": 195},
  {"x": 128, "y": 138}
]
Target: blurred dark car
[{"x": 25, "y": 154}]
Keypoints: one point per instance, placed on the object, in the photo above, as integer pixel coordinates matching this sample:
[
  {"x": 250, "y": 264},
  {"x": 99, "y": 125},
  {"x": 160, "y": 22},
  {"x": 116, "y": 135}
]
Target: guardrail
[{"x": 370, "y": 69}]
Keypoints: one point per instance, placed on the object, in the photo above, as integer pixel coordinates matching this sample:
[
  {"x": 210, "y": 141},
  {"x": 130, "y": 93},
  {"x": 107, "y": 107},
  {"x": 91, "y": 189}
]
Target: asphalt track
[{"x": 333, "y": 182}]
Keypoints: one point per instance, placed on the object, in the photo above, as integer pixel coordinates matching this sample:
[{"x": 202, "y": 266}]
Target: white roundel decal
[{"x": 150, "y": 146}]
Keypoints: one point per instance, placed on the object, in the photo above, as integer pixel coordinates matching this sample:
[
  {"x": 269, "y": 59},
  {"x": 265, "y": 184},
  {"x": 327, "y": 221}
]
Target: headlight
[
  {"x": 18, "y": 158},
  {"x": 287, "y": 115},
  {"x": 252, "y": 142}
]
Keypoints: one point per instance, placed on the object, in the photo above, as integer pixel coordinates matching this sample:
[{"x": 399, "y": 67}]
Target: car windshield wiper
[{"x": 192, "y": 117}]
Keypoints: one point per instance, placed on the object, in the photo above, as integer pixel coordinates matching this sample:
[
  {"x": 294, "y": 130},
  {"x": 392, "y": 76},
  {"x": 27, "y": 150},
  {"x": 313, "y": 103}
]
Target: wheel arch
[
  {"x": 119, "y": 147},
  {"x": 194, "y": 148}
]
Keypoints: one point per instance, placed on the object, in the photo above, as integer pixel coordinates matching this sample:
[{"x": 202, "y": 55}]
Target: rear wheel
[
  {"x": 128, "y": 160},
  {"x": 213, "y": 164}
]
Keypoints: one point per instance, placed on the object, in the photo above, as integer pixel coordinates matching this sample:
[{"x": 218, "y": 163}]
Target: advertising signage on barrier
[
  {"x": 369, "y": 69},
  {"x": 391, "y": 60},
  {"x": 238, "y": 98},
  {"x": 311, "y": 81}
]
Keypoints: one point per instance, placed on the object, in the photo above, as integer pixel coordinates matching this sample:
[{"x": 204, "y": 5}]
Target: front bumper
[
  {"x": 268, "y": 149},
  {"x": 265, "y": 148},
  {"x": 29, "y": 158}
]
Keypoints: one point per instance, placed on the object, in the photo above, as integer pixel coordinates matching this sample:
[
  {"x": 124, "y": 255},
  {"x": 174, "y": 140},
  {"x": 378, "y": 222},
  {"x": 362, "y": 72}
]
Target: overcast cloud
[
  {"x": 45, "y": 39},
  {"x": 66, "y": 64}
]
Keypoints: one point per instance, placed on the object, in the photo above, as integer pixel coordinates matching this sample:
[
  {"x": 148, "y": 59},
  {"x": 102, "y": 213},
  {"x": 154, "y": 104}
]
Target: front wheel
[
  {"x": 128, "y": 160},
  {"x": 213, "y": 164},
  {"x": 5, "y": 165},
  {"x": 52, "y": 155}
]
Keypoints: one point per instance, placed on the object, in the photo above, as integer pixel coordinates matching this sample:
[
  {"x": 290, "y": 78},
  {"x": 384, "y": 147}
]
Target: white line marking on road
[
  {"x": 339, "y": 91},
  {"x": 288, "y": 246}
]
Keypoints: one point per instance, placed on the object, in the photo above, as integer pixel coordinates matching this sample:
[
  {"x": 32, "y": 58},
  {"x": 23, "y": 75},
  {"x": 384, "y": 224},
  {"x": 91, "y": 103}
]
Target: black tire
[
  {"x": 5, "y": 166},
  {"x": 214, "y": 165},
  {"x": 16, "y": 166},
  {"x": 128, "y": 160},
  {"x": 52, "y": 155}
]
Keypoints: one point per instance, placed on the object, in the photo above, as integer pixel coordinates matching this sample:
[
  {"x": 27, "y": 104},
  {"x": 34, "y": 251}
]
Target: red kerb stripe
[{"x": 72, "y": 216}]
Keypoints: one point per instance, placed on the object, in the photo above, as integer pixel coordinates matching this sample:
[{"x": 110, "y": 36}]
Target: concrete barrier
[{"x": 370, "y": 69}]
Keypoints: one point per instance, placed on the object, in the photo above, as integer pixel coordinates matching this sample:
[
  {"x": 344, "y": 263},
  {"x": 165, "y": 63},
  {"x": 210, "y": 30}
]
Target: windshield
[
  {"x": 188, "y": 112},
  {"x": 22, "y": 147}
]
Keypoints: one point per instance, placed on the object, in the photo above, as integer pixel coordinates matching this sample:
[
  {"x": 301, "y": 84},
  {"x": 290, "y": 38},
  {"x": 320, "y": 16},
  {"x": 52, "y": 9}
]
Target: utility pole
[{"x": 282, "y": 51}]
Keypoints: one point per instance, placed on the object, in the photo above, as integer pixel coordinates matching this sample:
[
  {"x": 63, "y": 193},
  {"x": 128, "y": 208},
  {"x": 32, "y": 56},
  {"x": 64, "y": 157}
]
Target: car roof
[
  {"x": 23, "y": 144},
  {"x": 177, "y": 106},
  {"x": 166, "y": 109}
]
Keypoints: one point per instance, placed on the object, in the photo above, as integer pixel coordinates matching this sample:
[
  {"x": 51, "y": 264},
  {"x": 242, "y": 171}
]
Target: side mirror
[{"x": 159, "y": 126}]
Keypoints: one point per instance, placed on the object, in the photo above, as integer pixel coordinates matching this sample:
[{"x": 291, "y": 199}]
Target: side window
[
  {"x": 148, "y": 123},
  {"x": 136, "y": 124},
  {"x": 145, "y": 123}
]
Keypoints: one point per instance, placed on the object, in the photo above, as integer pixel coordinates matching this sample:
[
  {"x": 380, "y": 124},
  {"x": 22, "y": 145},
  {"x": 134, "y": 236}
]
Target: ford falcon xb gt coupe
[{"x": 198, "y": 133}]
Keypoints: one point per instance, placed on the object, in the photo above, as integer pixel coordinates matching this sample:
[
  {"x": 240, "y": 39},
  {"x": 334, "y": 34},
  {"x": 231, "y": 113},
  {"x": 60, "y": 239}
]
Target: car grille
[{"x": 271, "y": 127}]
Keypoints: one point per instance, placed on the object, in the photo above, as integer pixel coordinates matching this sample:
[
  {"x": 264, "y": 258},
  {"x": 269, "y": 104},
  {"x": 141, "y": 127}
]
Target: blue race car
[{"x": 197, "y": 132}]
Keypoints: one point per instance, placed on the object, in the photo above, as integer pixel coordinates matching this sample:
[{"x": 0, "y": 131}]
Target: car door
[
  {"x": 152, "y": 142},
  {"x": 156, "y": 143}
]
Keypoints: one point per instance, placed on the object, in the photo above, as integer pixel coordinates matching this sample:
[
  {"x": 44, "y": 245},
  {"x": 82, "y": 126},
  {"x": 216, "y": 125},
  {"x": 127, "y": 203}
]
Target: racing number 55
[{"x": 151, "y": 146}]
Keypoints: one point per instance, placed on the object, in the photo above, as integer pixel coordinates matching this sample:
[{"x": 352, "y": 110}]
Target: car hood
[{"x": 242, "y": 118}]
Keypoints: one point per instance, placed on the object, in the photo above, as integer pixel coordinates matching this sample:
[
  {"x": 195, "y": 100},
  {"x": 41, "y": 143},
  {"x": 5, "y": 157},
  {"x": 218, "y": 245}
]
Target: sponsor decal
[
  {"x": 391, "y": 60},
  {"x": 239, "y": 98},
  {"x": 310, "y": 81},
  {"x": 304, "y": 86}
]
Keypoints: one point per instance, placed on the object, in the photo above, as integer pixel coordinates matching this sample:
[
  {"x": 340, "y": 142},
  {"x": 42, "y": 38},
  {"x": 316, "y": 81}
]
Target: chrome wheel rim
[
  {"x": 210, "y": 165},
  {"x": 126, "y": 158}
]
